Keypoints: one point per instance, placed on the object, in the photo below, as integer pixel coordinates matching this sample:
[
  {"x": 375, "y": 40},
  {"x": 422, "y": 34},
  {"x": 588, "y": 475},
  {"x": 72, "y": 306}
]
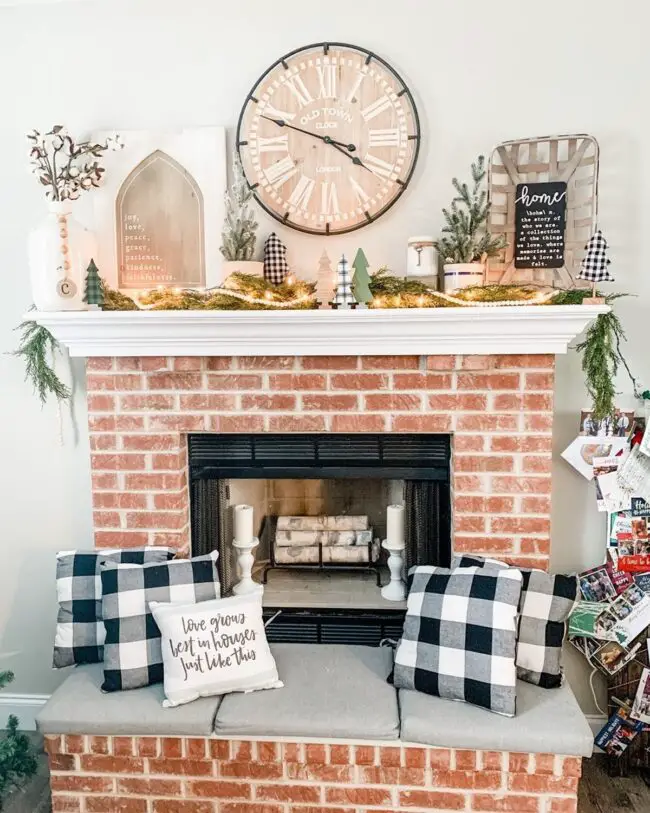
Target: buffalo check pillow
[
  {"x": 459, "y": 636},
  {"x": 80, "y": 633},
  {"x": 545, "y": 605},
  {"x": 132, "y": 650}
]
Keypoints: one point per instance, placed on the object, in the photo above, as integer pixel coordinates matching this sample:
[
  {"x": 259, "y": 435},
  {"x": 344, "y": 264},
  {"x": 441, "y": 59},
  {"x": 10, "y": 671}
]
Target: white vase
[
  {"x": 60, "y": 250},
  {"x": 252, "y": 267},
  {"x": 462, "y": 275}
]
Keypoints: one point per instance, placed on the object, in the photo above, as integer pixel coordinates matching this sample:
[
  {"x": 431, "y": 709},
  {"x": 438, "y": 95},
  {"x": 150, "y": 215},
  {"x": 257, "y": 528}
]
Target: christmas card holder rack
[
  {"x": 569, "y": 158},
  {"x": 621, "y": 688}
]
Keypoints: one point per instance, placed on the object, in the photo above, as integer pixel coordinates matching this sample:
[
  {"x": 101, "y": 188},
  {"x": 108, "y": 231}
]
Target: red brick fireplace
[
  {"x": 498, "y": 409},
  {"x": 155, "y": 378}
]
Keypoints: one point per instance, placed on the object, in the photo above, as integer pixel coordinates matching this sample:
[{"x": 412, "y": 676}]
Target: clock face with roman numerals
[{"x": 328, "y": 138}]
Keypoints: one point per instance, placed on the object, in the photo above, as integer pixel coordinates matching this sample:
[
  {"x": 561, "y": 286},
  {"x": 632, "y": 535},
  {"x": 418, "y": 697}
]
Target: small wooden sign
[{"x": 540, "y": 220}]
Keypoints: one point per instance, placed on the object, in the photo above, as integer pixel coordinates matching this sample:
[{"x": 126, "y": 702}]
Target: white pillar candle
[
  {"x": 395, "y": 524},
  {"x": 243, "y": 523}
]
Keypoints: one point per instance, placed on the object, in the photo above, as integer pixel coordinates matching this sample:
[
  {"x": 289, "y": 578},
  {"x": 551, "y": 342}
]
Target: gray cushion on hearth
[
  {"x": 78, "y": 706},
  {"x": 548, "y": 721},
  {"x": 329, "y": 691}
]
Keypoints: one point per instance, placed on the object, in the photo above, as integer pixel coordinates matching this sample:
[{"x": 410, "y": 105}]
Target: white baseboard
[
  {"x": 24, "y": 706},
  {"x": 596, "y": 722}
]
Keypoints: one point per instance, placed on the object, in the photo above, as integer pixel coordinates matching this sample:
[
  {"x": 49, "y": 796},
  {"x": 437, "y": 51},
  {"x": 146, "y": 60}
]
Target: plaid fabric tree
[
  {"x": 276, "y": 267},
  {"x": 595, "y": 265},
  {"x": 343, "y": 296},
  {"x": 94, "y": 295}
]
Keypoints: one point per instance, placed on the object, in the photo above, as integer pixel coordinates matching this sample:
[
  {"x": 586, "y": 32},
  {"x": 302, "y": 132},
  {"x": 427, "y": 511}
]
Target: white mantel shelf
[{"x": 420, "y": 331}]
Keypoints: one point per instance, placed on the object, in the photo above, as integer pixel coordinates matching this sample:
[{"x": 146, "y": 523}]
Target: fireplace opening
[{"x": 320, "y": 506}]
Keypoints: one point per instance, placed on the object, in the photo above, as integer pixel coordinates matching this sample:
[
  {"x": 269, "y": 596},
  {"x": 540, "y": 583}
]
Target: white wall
[{"x": 480, "y": 73}]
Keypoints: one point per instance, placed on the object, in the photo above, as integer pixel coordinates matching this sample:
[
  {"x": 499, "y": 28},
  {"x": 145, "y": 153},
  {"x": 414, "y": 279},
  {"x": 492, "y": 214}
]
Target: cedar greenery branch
[
  {"x": 465, "y": 238},
  {"x": 240, "y": 226},
  {"x": 601, "y": 359},
  {"x": 38, "y": 349}
]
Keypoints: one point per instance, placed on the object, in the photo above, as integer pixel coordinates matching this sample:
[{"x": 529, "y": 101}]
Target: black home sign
[{"x": 540, "y": 218}]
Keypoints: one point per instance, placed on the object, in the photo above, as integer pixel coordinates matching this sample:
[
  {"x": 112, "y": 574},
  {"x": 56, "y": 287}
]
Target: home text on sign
[{"x": 540, "y": 218}]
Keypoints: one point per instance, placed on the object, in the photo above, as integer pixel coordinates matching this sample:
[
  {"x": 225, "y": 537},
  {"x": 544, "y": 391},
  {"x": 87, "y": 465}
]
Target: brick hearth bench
[{"x": 336, "y": 739}]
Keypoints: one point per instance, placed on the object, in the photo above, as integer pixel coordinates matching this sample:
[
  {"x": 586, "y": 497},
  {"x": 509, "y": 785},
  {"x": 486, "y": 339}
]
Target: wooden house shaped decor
[
  {"x": 159, "y": 212},
  {"x": 560, "y": 171}
]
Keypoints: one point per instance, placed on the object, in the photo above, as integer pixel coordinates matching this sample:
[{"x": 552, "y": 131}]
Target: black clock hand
[
  {"x": 355, "y": 159},
  {"x": 326, "y": 139}
]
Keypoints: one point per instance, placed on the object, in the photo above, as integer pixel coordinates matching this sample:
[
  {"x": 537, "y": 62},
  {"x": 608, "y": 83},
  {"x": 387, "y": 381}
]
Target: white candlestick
[
  {"x": 245, "y": 562},
  {"x": 395, "y": 589},
  {"x": 395, "y": 525},
  {"x": 243, "y": 523}
]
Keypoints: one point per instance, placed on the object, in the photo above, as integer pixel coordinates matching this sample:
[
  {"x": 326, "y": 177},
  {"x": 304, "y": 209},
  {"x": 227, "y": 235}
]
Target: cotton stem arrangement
[{"x": 66, "y": 167}]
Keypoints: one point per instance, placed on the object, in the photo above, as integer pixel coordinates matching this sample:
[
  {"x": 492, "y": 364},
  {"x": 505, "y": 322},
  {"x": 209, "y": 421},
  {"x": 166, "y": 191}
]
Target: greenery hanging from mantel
[{"x": 38, "y": 348}]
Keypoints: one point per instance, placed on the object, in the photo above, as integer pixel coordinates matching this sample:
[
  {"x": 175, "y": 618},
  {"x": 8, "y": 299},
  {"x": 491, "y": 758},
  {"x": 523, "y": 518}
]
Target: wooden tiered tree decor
[{"x": 556, "y": 161}]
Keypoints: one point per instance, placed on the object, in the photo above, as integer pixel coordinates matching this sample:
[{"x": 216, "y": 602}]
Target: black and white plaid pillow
[
  {"x": 79, "y": 629},
  {"x": 459, "y": 636},
  {"x": 132, "y": 650},
  {"x": 545, "y": 605}
]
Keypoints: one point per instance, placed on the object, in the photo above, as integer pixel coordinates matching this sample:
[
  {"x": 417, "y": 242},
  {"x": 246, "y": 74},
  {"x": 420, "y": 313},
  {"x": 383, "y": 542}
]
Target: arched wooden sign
[{"x": 160, "y": 226}]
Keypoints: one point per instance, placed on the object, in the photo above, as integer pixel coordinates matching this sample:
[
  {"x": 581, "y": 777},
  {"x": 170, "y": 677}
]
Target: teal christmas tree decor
[
  {"x": 94, "y": 295},
  {"x": 361, "y": 284}
]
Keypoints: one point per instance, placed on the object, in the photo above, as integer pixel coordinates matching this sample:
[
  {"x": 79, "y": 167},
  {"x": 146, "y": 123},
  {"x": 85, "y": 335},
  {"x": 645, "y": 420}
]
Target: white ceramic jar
[{"x": 422, "y": 261}]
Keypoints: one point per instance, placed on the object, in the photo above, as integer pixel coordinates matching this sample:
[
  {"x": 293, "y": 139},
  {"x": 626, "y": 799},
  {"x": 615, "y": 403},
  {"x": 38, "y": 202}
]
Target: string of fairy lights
[{"x": 293, "y": 295}]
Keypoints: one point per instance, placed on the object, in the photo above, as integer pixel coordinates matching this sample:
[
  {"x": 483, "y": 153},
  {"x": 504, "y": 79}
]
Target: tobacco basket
[{"x": 570, "y": 158}]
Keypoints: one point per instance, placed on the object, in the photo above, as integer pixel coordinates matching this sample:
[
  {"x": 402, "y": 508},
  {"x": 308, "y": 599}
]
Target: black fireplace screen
[{"x": 421, "y": 461}]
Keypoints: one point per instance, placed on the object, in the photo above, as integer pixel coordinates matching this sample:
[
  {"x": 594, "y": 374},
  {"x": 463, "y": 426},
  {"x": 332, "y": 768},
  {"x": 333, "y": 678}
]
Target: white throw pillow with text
[{"x": 214, "y": 647}]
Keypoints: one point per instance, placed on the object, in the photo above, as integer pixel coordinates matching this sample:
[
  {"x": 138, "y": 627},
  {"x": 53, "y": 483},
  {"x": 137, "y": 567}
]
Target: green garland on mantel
[{"x": 601, "y": 348}]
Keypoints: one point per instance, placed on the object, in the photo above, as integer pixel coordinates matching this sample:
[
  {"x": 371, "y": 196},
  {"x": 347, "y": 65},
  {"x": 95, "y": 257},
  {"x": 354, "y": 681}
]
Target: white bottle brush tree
[
  {"x": 465, "y": 237},
  {"x": 238, "y": 233}
]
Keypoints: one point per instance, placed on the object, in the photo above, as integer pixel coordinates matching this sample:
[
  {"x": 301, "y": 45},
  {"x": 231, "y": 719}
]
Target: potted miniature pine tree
[
  {"x": 17, "y": 757},
  {"x": 240, "y": 227},
  {"x": 466, "y": 243}
]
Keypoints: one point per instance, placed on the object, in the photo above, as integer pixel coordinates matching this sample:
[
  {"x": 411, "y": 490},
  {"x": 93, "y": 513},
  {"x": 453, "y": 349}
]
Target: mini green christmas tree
[
  {"x": 465, "y": 236},
  {"x": 94, "y": 295},
  {"x": 238, "y": 233},
  {"x": 17, "y": 758},
  {"x": 361, "y": 282}
]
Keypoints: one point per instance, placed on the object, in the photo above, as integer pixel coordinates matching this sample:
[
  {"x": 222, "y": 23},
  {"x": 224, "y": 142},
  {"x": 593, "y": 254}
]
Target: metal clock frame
[{"x": 370, "y": 56}]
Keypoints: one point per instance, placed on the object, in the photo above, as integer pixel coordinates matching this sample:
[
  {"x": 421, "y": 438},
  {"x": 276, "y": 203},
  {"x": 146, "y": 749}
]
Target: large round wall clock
[{"x": 328, "y": 138}]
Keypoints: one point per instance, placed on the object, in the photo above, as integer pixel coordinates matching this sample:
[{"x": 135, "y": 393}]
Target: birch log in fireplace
[{"x": 324, "y": 540}]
